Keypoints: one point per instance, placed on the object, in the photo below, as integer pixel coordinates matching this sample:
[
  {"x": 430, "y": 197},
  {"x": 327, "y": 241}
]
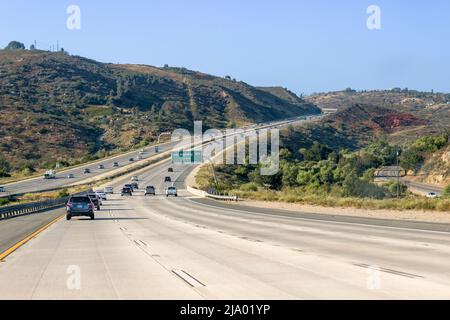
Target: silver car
[{"x": 171, "y": 192}]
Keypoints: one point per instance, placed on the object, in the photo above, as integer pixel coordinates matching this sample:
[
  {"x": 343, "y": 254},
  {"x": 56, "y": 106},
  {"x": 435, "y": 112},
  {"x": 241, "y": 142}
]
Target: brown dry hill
[{"x": 61, "y": 108}]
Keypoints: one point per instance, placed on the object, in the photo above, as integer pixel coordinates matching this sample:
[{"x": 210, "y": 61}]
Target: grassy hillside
[
  {"x": 431, "y": 107},
  {"x": 61, "y": 108},
  {"x": 354, "y": 127},
  {"x": 402, "y": 98}
]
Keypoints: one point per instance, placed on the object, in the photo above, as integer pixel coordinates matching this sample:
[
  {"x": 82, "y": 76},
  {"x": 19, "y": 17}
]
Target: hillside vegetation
[
  {"x": 332, "y": 162},
  {"x": 434, "y": 108},
  {"x": 67, "y": 109},
  {"x": 355, "y": 127},
  {"x": 319, "y": 175}
]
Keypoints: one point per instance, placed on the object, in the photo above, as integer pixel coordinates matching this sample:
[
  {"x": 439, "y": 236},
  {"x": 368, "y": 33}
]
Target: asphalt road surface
[
  {"x": 187, "y": 248},
  {"x": 423, "y": 188}
]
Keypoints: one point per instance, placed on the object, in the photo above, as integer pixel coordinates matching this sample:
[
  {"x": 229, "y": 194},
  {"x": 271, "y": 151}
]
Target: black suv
[
  {"x": 80, "y": 206},
  {"x": 127, "y": 192}
]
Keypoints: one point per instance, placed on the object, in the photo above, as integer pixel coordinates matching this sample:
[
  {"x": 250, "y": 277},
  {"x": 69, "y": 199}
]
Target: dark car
[
  {"x": 129, "y": 186},
  {"x": 135, "y": 186},
  {"x": 170, "y": 170},
  {"x": 78, "y": 206},
  {"x": 116, "y": 164},
  {"x": 95, "y": 200},
  {"x": 150, "y": 190},
  {"x": 127, "y": 192},
  {"x": 168, "y": 179},
  {"x": 87, "y": 171},
  {"x": 131, "y": 160},
  {"x": 101, "y": 167}
]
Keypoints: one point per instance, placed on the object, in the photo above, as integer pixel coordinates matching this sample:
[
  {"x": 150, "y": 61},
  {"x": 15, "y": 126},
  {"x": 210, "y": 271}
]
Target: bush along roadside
[{"x": 319, "y": 175}]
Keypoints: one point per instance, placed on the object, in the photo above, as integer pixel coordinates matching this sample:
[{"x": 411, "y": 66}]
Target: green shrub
[
  {"x": 251, "y": 186},
  {"x": 447, "y": 191},
  {"x": 63, "y": 193},
  {"x": 5, "y": 167}
]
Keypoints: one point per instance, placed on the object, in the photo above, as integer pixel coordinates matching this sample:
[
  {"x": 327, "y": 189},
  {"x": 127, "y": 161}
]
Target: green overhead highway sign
[{"x": 187, "y": 157}]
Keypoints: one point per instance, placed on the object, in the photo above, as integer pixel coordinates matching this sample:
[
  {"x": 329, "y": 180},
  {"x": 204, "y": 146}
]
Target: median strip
[{"x": 27, "y": 239}]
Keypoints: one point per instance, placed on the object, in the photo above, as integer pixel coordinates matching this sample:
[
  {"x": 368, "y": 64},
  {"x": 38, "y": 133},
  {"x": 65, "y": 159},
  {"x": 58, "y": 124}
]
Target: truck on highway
[{"x": 50, "y": 175}]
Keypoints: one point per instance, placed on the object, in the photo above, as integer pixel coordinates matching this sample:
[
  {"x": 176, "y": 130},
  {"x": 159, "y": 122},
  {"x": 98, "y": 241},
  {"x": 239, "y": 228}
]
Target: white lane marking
[
  {"x": 140, "y": 243},
  {"x": 190, "y": 280}
]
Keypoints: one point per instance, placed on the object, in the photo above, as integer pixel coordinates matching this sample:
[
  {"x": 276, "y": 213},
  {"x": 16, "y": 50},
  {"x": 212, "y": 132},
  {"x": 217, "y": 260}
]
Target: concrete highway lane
[
  {"x": 39, "y": 184},
  {"x": 178, "y": 248}
]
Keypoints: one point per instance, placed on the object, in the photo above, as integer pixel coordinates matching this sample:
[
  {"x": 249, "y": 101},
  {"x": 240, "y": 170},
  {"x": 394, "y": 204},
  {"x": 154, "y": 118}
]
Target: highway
[
  {"x": 423, "y": 189},
  {"x": 191, "y": 248},
  {"x": 418, "y": 188},
  {"x": 39, "y": 184}
]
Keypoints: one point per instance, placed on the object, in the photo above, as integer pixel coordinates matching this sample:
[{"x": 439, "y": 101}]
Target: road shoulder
[{"x": 340, "y": 215}]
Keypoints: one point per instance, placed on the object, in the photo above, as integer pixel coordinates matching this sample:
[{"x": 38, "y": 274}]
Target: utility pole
[
  {"x": 213, "y": 170},
  {"x": 398, "y": 173},
  {"x": 57, "y": 45}
]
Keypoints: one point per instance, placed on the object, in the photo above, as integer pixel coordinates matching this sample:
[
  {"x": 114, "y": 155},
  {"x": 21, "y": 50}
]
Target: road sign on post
[{"x": 187, "y": 157}]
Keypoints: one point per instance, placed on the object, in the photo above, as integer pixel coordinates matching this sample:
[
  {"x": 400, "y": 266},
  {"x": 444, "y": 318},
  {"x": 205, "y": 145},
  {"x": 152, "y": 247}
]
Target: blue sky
[{"x": 306, "y": 46}]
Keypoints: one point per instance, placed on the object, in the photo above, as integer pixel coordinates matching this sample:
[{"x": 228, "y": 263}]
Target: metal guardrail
[
  {"x": 30, "y": 208},
  {"x": 205, "y": 194},
  {"x": 223, "y": 198},
  {"x": 9, "y": 212}
]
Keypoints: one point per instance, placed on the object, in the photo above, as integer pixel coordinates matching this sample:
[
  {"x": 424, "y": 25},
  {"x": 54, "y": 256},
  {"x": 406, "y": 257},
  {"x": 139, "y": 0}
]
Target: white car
[
  {"x": 135, "y": 178},
  {"x": 101, "y": 195},
  {"x": 171, "y": 192},
  {"x": 432, "y": 195},
  {"x": 108, "y": 190}
]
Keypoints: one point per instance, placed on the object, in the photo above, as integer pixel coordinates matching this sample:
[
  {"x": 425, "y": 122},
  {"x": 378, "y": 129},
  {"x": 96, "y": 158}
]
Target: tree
[
  {"x": 15, "y": 45},
  {"x": 290, "y": 174},
  {"x": 317, "y": 152},
  {"x": 447, "y": 191},
  {"x": 5, "y": 168},
  {"x": 412, "y": 159}
]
